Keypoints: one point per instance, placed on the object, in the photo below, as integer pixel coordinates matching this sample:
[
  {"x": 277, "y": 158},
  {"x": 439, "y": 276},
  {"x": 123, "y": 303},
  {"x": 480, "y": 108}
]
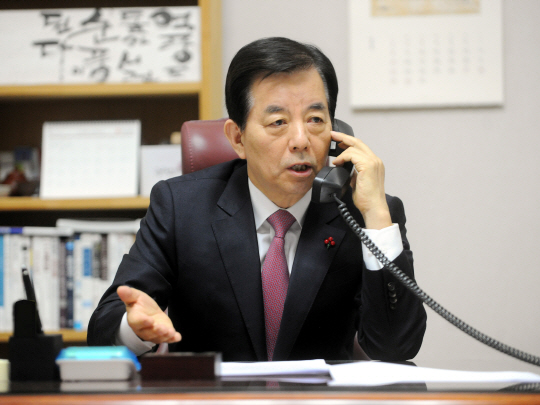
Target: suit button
[
  {"x": 391, "y": 286},
  {"x": 392, "y": 307},
  {"x": 393, "y": 300},
  {"x": 392, "y": 294}
]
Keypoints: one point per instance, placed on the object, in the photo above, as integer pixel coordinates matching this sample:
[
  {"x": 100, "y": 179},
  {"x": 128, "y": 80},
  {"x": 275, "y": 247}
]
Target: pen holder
[
  {"x": 33, "y": 358},
  {"x": 32, "y": 354}
]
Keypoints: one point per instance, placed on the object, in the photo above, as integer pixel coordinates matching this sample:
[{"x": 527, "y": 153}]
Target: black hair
[{"x": 268, "y": 56}]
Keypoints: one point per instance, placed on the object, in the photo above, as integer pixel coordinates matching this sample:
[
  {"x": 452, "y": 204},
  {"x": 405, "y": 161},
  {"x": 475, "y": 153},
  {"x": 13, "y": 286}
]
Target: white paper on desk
[
  {"x": 378, "y": 373},
  {"x": 274, "y": 368}
]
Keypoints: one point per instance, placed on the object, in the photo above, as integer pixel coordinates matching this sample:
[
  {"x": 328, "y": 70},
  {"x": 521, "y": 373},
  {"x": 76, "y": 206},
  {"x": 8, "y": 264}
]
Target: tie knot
[{"x": 281, "y": 221}]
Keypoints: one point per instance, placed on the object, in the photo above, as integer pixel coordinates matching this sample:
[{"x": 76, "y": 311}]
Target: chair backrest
[{"x": 204, "y": 144}]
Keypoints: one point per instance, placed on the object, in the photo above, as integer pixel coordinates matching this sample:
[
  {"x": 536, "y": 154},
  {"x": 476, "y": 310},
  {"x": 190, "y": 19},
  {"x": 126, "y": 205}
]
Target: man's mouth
[{"x": 300, "y": 168}]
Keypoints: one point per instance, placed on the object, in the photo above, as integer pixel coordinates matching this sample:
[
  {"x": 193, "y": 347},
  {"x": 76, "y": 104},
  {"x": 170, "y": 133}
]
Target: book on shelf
[
  {"x": 70, "y": 272},
  {"x": 99, "y": 226},
  {"x": 16, "y": 251},
  {"x": 36, "y": 230},
  {"x": 44, "y": 265}
]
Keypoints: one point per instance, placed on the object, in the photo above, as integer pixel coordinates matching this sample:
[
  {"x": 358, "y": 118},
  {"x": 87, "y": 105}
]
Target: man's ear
[{"x": 234, "y": 135}]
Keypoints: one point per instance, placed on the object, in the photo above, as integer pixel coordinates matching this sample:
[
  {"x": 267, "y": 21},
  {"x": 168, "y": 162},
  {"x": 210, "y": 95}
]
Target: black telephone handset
[
  {"x": 329, "y": 186},
  {"x": 333, "y": 180}
]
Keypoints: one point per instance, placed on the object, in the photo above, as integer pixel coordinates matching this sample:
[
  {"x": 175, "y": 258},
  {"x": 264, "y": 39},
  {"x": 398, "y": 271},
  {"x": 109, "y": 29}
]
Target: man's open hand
[{"x": 146, "y": 318}]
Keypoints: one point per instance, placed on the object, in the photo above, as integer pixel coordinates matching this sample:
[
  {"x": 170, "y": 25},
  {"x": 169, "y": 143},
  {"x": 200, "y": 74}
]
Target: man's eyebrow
[
  {"x": 271, "y": 109},
  {"x": 317, "y": 106}
]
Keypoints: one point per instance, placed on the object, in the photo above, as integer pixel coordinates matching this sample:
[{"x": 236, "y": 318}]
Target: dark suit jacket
[{"x": 197, "y": 254}]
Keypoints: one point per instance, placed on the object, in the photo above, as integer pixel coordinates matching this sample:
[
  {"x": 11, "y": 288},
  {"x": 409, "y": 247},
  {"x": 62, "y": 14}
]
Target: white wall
[{"x": 468, "y": 178}]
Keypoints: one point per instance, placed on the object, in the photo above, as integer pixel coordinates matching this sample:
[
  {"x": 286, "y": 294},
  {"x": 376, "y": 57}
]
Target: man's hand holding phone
[{"x": 367, "y": 182}]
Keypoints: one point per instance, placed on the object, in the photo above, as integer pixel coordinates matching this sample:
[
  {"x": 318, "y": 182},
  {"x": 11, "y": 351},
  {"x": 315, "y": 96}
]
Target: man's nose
[{"x": 299, "y": 137}]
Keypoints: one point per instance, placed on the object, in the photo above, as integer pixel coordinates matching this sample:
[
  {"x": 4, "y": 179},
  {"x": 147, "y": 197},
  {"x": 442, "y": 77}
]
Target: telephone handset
[
  {"x": 333, "y": 180},
  {"x": 330, "y": 185}
]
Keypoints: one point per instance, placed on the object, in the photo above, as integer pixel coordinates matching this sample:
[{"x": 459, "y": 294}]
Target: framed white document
[
  {"x": 159, "y": 162},
  {"x": 425, "y": 53},
  {"x": 90, "y": 159},
  {"x": 100, "y": 45}
]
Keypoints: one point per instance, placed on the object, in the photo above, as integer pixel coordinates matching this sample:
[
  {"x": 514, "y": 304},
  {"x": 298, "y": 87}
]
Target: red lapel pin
[{"x": 329, "y": 242}]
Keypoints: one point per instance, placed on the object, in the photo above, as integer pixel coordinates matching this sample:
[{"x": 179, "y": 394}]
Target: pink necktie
[{"x": 275, "y": 278}]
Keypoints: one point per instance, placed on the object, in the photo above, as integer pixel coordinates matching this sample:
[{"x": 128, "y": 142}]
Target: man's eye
[
  {"x": 317, "y": 120},
  {"x": 278, "y": 123}
]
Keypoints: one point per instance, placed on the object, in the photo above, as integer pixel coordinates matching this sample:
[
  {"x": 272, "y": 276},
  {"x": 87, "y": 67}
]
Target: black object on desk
[
  {"x": 180, "y": 366},
  {"x": 32, "y": 354},
  {"x": 31, "y": 296}
]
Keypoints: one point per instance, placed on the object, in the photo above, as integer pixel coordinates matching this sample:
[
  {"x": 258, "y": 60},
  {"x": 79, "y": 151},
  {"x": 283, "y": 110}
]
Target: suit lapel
[
  {"x": 312, "y": 261},
  {"x": 237, "y": 241}
]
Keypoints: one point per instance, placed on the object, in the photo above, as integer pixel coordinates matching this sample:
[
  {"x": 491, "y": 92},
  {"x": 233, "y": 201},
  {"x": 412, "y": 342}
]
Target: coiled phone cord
[{"x": 416, "y": 290}]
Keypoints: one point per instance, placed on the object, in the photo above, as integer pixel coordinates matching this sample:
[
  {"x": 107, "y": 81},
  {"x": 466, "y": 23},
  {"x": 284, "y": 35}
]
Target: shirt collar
[{"x": 263, "y": 207}]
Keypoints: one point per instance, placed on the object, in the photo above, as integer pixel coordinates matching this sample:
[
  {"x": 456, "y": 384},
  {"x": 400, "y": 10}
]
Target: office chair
[{"x": 204, "y": 144}]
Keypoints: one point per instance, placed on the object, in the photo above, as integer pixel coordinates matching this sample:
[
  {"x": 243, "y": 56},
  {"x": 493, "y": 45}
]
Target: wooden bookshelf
[
  {"x": 100, "y": 90},
  {"x": 161, "y": 107},
  {"x": 38, "y": 204},
  {"x": 68, "y": 335}
]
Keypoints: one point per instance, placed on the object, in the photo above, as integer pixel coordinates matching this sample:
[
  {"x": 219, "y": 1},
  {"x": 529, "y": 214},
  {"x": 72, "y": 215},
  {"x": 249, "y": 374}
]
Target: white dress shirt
[{"x": 388, "y": 240}]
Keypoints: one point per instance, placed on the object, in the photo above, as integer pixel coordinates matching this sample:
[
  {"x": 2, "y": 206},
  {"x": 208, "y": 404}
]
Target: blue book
[
  {"x": 69, "y": 284},
  {"x": 36, "y": 230},
  {"x": 11, "y": 230}
]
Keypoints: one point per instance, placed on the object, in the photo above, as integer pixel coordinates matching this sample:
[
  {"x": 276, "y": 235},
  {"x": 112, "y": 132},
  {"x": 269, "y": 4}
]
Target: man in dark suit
[{"x": 202, "y": 248}]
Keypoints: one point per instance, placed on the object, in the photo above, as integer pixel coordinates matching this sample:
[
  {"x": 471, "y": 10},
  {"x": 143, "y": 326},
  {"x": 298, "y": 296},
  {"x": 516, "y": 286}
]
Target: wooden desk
[
  {"x": 281, "y": 398},
  {"x": 254, "y": 392}
]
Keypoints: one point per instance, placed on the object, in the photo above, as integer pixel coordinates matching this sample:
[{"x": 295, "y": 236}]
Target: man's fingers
[
  {"x": 139, "y": 321},
  {"x": 167, "y": 334},
  {"x": 147, "y": 329},
  {"x": 160, "y": 334},
  {"x": 347, "y": 140},
  {"x": 173, "y": 338},
  {"x": 127, "y": 294},
  {"x": 355, "y": 151}
]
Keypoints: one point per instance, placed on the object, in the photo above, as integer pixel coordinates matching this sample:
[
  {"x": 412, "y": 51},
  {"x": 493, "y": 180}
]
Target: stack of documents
[
  {"x": 273, "y": 368},
  {"x": 376, "y": 373},
  {"x": 369, "y": 373}
]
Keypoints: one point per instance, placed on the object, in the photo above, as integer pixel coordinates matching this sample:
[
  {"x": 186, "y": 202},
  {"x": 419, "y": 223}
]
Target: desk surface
[
  {"x": 260, "y": 392},
  {"x": 276, "y": 398}
]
